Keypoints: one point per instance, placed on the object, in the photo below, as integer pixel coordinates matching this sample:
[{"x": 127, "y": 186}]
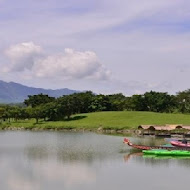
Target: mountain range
[{"x": 11, "y": 92}]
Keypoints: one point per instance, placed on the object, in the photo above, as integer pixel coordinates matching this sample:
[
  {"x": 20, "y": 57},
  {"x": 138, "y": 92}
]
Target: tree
[
  {"x": 101, "y": 103},
  {"x": 2, "y": 111},
  {"x": 136, "y": 103},
  {"x": 50, "y": 111},
  {"x": 15, "y": 112},
  {"x": 152, "y": 101},
  {"x": 159, "y": 101},
  {"x": 12, "y": 112},
  {"x": 183, "y": 99},
  {"x": 36, "y": 100},
  {"x": 66, "y": 106},
  {"x": 117, "y": 102},
  {"x": 83, "y": 101},
  {"x": 36, "y": 113}
]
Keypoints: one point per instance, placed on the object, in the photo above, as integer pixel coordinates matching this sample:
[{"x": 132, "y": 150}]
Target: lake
[{"x": 84, "y": 161}]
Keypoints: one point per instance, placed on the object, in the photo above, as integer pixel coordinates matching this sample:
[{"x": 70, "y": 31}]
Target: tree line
[{"x": 42, "y": 106}]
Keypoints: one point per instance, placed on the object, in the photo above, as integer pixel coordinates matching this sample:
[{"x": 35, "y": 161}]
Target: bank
[{"x": 112, "y": 122}]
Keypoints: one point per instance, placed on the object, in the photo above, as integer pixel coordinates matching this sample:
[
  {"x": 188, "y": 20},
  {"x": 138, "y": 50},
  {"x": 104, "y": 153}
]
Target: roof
[{"x": 167, "y": 127}]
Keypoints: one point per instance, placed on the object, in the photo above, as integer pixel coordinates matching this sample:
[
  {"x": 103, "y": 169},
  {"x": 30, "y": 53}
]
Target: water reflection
[
  {"x": 129, "y": 156},
  {"x": 82, "y": 161},
  {"x": 154, "y": 160}
]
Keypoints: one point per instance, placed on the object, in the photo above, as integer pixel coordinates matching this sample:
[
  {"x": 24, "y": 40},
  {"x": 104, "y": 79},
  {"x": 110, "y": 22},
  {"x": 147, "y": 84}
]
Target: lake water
[{"x": 84, "y": 161}]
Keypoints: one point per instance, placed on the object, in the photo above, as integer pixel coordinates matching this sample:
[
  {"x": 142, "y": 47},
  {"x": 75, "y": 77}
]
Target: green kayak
[
  {"x": 166, "y": 157},
  {"x": 167, "y": 152}
]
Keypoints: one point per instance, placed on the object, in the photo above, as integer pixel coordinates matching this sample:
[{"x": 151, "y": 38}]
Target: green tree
[
  {"x": 50, "y": 111},
  {"x": 136, "y": 103},
  {"x": 159, "y": 101},
  {"x": 151, "y": 101},
  {"x": 2, "y": 111},
  {"x": 183, "y": 99},
  {"x": 83, "y": 101},
  {"x": 36, "y": 100},
  {"x": 35, "y": 112},
  {"x": 101, "y": 103},
  {"x": 66, "y": 106},
  {"x": 117, "y": 102}
]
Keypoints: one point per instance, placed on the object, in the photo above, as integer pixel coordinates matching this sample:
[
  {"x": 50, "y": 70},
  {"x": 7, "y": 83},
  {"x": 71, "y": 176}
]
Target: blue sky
[{"x": 107, "y": 46}]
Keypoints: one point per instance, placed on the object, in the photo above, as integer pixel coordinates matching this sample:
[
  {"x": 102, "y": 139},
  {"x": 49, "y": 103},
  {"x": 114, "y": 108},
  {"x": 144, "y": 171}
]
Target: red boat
[
  {"x": 144, "y": 147},
  {"x": 183, "y": 143}
]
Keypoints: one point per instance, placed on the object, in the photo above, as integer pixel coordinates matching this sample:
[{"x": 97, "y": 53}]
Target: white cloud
[
  {"x": 23, "y": 56},
  {"x": 68, "y": 65},
  {"x": 142, "y": 41},
  {"x": 71, "y": 64}
]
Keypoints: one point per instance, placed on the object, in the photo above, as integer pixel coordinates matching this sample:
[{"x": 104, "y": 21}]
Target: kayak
[
  {"x": 179, "y": 144},
  {"x": 159, "y": 152}
]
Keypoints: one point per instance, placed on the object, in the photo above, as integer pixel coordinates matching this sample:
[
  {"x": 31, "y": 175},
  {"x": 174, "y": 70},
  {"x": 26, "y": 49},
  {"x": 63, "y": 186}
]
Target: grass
[{"x": 107, "y": 120}]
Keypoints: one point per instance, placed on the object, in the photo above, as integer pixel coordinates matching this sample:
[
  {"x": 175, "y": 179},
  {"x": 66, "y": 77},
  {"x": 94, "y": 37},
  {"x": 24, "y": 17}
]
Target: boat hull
[
  {"x": 144, "y": 147},
  {"x": 180, "y": 144}
]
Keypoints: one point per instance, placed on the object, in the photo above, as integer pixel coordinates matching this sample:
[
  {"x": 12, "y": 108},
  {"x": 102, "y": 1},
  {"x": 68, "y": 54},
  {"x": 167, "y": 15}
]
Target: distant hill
[{"x": 11, "y": 92}]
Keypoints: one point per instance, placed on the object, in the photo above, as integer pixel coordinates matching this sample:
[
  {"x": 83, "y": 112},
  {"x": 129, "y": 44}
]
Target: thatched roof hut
[
  {"x": 145, "y": 127},
  {"x": 163, "y": 128}
]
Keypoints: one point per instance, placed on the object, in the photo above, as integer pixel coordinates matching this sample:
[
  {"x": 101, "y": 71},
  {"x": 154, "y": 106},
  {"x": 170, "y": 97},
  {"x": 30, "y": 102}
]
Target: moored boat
[
  {"x": 183, "y": 143},
  {"x": 145, "y": 147},
  {"x": 167, "y": 152}
]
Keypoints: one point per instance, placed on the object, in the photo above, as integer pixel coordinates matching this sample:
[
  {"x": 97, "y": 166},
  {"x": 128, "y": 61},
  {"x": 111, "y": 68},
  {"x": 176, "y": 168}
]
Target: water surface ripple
[{"x": 84, "y": 161}]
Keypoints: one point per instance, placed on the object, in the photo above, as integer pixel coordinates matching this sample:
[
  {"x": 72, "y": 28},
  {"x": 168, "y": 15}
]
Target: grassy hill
[{"x": 111, "y": 120}]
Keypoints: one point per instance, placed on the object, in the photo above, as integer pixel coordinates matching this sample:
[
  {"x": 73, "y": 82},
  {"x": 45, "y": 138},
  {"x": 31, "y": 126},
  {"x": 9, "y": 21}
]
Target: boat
[
  {"x": 145, "y": 147},
  {"x": 183, "y": 143},
  {"x": 159, "y": 152}
]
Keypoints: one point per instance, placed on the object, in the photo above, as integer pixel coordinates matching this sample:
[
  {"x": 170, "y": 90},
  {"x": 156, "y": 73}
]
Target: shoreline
[
  {"x": 70, "y": 129},
  {"x": 100, "y": 130},
  {"x": 119, "y": 122}
]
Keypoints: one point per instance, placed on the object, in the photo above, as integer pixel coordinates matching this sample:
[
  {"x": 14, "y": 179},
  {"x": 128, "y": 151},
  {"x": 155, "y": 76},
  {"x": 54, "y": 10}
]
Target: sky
[{"x": 107, "y": 46}]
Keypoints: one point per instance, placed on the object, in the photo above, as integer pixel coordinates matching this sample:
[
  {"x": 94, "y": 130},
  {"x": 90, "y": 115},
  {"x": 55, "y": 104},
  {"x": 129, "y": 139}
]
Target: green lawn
[{"x": 112, "y": 120}]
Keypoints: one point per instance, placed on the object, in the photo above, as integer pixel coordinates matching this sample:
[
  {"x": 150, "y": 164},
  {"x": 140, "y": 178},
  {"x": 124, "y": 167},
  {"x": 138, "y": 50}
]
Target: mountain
[{"x": 11, "y": 92}]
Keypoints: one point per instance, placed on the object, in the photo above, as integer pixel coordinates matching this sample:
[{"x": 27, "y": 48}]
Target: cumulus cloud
[
  {"x": 70, "y": 64},
  {"x": 23, "y": 56}
]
